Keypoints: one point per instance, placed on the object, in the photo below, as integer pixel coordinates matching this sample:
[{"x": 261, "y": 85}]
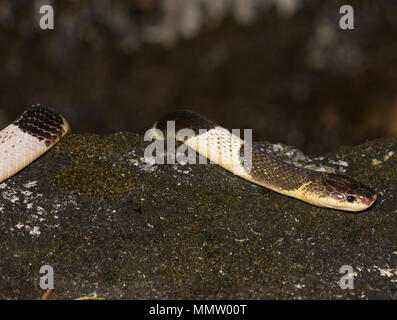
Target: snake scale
[{"x": 39, "y": 128}]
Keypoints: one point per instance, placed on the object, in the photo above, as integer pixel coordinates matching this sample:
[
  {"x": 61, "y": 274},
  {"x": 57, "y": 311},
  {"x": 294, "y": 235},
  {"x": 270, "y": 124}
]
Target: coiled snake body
[{"x": 39, "y": 128}]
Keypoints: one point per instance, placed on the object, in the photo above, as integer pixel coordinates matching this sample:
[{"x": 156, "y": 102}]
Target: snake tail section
[{"x": 37, "y": 130}]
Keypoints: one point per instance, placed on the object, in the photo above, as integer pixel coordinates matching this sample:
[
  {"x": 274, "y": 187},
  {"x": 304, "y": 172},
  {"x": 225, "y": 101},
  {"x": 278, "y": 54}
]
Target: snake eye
[{"x": 350, "y": 198}]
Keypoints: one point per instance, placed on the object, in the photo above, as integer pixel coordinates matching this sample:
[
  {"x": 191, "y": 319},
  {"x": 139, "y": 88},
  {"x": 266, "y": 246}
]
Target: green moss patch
[{"x": 95, "y": 181}]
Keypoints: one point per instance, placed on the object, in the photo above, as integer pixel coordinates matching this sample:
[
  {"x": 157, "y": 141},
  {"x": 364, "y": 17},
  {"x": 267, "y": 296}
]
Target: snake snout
[
  {"x": 364, "y": 196},
  {"x": 348, "y": 194},
  {"x": 368, "y": 200}
]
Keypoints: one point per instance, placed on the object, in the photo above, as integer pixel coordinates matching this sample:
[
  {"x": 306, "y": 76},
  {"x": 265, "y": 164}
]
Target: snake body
[
  {"x": 222, "y": 147},
  {"x": 39, "y": 128},
  {"x": 36, "y": 131}
]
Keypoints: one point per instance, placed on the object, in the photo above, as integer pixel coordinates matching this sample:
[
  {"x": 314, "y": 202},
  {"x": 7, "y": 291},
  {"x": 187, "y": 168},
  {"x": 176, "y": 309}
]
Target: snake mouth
[{"x": 369, "y": 202}]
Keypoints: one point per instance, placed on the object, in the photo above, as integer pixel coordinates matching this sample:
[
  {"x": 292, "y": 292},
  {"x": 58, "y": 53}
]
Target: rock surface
[{"x": 110, "y": 224}]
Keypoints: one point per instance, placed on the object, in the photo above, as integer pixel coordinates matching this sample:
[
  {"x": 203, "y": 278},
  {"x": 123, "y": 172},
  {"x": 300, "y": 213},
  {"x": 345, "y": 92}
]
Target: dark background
[{"x": 281, "y": 67}]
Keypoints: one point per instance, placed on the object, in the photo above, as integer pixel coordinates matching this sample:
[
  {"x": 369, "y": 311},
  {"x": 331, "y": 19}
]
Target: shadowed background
[{"x": 281, "y": 67}]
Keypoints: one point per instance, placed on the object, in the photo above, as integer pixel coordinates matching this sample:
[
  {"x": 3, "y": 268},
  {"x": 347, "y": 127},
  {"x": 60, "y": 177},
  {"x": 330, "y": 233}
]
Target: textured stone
[{"x": 110, "y": 224}]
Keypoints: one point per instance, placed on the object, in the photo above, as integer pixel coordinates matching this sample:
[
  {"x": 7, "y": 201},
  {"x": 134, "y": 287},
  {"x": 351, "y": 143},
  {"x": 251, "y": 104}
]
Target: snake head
[{"x": 347, "y": 194}]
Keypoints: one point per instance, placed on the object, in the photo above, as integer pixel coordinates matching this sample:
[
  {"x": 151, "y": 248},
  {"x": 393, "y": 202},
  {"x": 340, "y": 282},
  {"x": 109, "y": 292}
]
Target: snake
[
  {"x": 32, "y": 134},
  {"x": 39, "y": 128}
]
